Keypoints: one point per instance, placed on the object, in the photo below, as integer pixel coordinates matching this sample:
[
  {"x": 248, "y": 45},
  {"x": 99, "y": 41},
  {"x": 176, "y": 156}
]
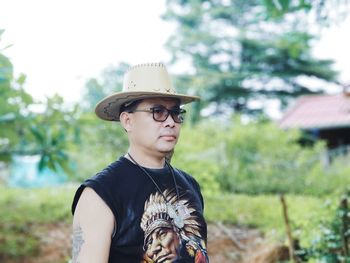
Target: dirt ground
[
  {"x": 226, "y": 243},
  {"x": 229, "y": 243}
]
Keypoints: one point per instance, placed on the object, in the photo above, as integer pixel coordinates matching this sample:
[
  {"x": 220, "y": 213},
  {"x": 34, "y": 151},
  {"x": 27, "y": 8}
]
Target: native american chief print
[{"x": 171, "y": 230}]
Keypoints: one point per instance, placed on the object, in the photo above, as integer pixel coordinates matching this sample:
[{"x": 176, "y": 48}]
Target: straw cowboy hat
[{"x": 140, "y": 82}]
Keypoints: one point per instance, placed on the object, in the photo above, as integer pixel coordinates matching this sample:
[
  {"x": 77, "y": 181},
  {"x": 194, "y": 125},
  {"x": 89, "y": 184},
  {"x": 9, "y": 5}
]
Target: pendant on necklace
[
  {"x": 178, "y": 213},
  {"x": 171, "y": 210},
  {"x": 182, "y": 211},
  {"x": 179, "y": 221}
]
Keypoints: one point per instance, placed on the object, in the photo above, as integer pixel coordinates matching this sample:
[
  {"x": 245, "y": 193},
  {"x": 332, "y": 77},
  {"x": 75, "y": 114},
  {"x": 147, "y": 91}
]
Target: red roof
[{"x": 318, "y": 111}]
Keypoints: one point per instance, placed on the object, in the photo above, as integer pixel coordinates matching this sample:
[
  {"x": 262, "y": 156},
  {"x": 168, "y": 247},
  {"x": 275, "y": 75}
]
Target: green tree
[
  {"x": 325, "y": 11},
  {"x": 237, "y": 57},
  {"x": 110, "y": 81},
  {"x": 104, "y": 139},
  {"x": 23, "y": 131}
]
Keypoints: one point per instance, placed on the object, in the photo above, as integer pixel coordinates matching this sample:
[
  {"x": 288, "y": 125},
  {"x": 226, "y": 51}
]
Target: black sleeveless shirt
[{"x": 148, "y": 228}]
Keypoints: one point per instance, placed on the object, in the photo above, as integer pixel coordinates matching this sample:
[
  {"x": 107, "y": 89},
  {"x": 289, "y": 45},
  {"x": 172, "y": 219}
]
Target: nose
[
  {"x": 169, "y": 122},
  {"x": 154, "y": 249}
]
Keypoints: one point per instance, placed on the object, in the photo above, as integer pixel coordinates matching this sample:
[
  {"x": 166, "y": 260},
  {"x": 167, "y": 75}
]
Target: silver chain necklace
[{"x": 178, "y": 212}]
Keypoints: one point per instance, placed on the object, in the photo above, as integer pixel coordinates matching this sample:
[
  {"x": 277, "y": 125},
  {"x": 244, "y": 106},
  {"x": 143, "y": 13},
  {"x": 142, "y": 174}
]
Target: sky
[
  {"x": 334, "y": 44},
  {"x": 59, "y": 44}
]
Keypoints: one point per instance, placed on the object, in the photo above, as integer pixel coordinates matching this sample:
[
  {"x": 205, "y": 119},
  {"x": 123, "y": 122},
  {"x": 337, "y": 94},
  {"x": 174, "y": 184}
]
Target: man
[{"x": 140, "y": 208}]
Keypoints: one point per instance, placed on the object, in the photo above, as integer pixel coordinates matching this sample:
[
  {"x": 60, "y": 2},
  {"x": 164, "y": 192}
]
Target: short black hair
[{"x": 129, "y": 106}]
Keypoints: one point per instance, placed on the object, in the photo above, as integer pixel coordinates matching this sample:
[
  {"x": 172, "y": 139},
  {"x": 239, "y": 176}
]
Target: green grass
[
  {"x": 23, "y": 206},
  {"x": 265, "y": 213},
  {"x": 22, "y": 209}
]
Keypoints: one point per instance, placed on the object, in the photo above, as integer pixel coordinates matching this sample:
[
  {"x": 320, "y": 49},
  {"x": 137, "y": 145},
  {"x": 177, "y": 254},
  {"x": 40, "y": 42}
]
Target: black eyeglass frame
[{"x": 177, "y": 114}]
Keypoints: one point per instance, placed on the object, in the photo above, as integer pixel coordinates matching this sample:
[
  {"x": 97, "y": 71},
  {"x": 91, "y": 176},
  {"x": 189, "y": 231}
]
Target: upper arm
[{"x": 93, "y": 225}]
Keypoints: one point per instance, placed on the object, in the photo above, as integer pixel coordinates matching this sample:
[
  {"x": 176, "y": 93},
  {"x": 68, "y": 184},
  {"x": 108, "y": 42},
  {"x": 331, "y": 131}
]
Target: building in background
[{"x": 322, "y": 117}]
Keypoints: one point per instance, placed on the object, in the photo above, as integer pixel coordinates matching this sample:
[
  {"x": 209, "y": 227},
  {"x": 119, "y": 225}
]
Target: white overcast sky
[{"x": 58, "y": 44}]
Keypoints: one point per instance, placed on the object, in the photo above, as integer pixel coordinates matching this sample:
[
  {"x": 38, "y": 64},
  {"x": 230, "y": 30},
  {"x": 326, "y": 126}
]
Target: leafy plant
[
  {"x": 333, "y": 242},
  {"x": 24, "y": 131}
]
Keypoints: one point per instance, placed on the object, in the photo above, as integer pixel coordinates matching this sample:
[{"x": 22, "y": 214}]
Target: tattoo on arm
[{"x": 78, "y": 242}]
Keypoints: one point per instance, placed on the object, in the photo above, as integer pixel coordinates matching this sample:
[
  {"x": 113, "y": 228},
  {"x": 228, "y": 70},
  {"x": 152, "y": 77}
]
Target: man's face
[
  {"x": 151, "y": 135},
  {"x": 161, "y": 246}
]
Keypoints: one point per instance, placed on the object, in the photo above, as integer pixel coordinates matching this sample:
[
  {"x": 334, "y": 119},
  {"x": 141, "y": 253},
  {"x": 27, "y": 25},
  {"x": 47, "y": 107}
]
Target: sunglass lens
[
  {"x": 178, "y": 115},
  {"x": 160, "y": 113}
]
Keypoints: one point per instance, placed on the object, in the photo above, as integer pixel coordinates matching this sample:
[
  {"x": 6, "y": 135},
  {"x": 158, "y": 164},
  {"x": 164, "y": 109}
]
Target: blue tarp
[{"x": 24, "y": 172}]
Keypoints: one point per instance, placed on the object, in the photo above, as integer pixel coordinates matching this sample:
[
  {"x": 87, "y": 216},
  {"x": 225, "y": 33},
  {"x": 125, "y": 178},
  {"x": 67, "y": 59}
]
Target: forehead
[
  {"x": 161, "y": 230},
  {"x": 168, "y": 102}
]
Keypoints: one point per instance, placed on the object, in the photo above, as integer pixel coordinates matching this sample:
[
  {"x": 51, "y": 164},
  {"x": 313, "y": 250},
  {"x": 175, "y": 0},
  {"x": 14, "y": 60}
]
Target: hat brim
[{"x": 109, "y": 108}]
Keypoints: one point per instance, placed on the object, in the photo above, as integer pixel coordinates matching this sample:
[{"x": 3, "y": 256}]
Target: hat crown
[
  {"x": 150, "y": 80},
  {"x": 149, "y": 77}
]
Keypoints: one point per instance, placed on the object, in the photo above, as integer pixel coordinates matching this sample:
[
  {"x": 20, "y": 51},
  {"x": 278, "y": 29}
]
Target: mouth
[
  {"x": 165, "y": 258},
  {"x": 168, "y": 137}
]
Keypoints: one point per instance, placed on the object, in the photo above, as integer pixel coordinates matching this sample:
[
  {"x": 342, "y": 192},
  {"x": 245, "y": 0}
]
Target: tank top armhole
[
  {"x": 114, "y": 229},
  {"x": 103, "y": 194}
]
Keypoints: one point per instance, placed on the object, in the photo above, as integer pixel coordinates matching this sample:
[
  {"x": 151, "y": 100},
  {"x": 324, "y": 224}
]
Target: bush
[
  {"x": 256, "y": 158},
  {"x": 262, "y": 158},
  {"x": 332, "y": 244},
  {"x": 265, "y": 212},
  {"x": 196, "y": 154}
]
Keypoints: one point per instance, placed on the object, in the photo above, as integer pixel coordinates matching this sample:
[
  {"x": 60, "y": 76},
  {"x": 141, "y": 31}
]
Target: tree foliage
[
  {"x": 104, "y": 139},
  {"x": 46, "y": 131},
  {"x": 325, "y": 12},
  {"x": 110, "y": 81},
  {"x": 236, "y": 56}
]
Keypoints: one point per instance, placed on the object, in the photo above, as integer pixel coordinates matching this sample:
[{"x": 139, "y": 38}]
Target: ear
[{"x": 126, "y": 120}]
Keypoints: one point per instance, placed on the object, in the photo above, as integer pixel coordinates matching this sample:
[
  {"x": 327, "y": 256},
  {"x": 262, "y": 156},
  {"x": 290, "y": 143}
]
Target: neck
[{"x": 146, "y": 160}]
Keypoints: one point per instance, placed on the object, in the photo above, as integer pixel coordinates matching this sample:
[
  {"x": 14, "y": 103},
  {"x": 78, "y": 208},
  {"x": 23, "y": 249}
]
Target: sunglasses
[{"x": 160, "y": 113}]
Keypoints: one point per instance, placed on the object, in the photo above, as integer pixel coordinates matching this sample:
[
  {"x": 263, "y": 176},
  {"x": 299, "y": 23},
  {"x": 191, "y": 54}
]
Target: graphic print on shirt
[{"x": 171, "y": 230}]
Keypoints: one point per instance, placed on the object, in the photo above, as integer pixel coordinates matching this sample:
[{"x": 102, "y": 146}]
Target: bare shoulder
[
  {"x": 93, "y": 225},
  {"x": 91, "y": 207}
]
